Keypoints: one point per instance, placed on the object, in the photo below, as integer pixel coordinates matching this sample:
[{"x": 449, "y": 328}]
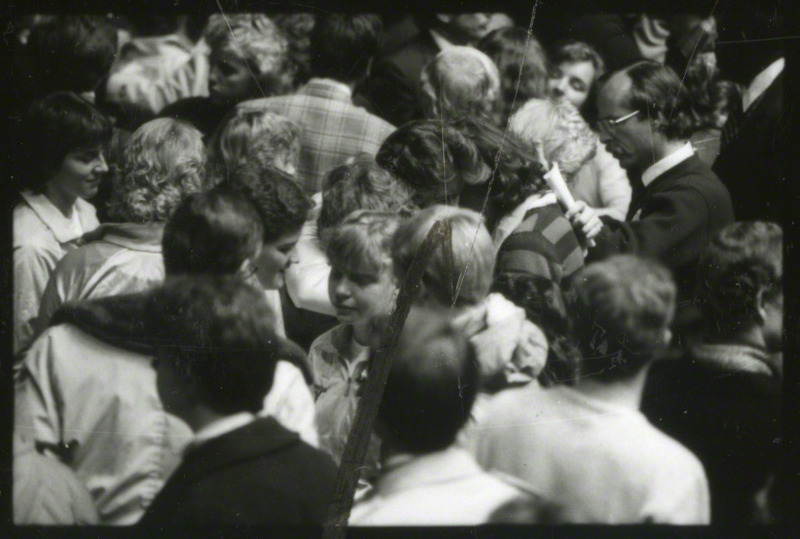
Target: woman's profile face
[
  {"x": 572, "y": 80},
  {"x": 80, "y": 173}
]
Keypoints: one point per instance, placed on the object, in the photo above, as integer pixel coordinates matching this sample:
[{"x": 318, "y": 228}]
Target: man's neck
[
  {"x": 668, "y": 147},
  {"x": 200, "y": 416},
  {"x": 626, "y": 393}
]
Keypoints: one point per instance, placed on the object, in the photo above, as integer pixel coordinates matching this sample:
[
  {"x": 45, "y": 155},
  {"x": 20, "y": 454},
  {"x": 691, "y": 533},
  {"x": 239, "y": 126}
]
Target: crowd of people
[{"x": 553, "y": 266}]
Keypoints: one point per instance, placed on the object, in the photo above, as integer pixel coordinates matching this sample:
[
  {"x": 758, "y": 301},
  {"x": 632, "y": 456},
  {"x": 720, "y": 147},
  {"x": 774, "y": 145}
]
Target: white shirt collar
[
  {"x": 64, "y": 229},
  {"x": 440, "y": 40},
  {"x": 219, "y": 427},
  {"x": 661, "y": 166},
  {"x": 762, "y": 82}
]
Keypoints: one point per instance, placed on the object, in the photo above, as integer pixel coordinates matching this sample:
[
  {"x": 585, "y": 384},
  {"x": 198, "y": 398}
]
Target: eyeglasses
[{"x": 608, "y": 124}]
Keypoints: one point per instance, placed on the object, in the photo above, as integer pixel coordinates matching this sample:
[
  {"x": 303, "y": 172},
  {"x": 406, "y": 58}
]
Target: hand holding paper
[{"x": 583, "y": 218}]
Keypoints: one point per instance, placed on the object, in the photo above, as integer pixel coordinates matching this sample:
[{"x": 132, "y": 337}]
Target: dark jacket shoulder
[{"x": 259, "y": 474}]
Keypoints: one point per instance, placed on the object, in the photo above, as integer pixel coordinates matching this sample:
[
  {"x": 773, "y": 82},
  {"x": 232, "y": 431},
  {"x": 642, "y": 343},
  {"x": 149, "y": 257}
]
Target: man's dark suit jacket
[
  {"x": 260, "y": 474},
  {"x": 679, "y": 212},
  {"x": 392, "y": 89},
  {"x": 729, "y": 418},
  {"x": 751, "y": 162}
]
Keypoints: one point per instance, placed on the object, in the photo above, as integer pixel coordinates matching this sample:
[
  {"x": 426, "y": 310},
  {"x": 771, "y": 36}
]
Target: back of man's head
[
  {"x": 431, "y": 386},
  {"x": 342, "y": 45},
  {"x": 623, "y": 309},
  {"x": 216, "y": 335},
  {"x": 460, "y": 82},
  {"x": 211, "y": 232},
  {"x": 742, "y": 266}
]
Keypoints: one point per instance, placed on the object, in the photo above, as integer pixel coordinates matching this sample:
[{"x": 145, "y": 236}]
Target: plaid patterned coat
[{"x": 333, "y": 128}]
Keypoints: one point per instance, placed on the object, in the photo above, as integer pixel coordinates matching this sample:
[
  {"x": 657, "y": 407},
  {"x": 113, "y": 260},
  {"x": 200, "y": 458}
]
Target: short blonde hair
[
  {"x": 460, "y": 82},
  {"x": 460, "y": 277},
  {"x": 561, "y": 130},
  {"x": 259, "y": 42},
  {"x": 363, "y": 240},
  {"x": 163, "y": 161},
  {"x": 251, "y": 134}
]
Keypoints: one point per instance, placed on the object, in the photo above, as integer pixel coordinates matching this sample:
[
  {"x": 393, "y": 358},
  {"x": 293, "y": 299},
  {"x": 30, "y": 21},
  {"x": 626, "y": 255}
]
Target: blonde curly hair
[
  {"x": 248, "y": 134},
  {"x": 557, "y": 125},
  {"x": 163, "y": 161},
  {"x": 460, "y": 82},
  {"x": 258, "y": 41}
]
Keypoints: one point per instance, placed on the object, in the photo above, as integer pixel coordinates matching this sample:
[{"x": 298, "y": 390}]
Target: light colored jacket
[
  {"x": 73, "y": 386},
  {"x": 126, "y": 258},
  {"x": 446, "y": 488},
  {"x": 41, "y": 237},
  {"x": 594, "y": 461}
]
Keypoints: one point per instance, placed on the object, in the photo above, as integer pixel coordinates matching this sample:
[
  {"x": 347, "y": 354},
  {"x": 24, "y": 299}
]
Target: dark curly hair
[
  {"x": 280, "y": 202},
  {"x": 297, "y": 29},
  {"x": 516, "y": 172},
  {"x": 743, "y": 260},
  {"x": 545, "y": 306},
  {"x": 433, "y": 158}
]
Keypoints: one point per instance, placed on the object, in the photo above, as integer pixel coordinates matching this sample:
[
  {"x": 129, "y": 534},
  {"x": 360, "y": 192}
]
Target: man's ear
[
  {"x": 761, "y": 306},
  {"x": 667, "y": 337}
]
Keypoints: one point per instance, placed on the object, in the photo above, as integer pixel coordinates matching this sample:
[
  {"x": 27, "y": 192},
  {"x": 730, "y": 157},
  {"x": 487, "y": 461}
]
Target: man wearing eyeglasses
[{"x": 678, "y": 203}]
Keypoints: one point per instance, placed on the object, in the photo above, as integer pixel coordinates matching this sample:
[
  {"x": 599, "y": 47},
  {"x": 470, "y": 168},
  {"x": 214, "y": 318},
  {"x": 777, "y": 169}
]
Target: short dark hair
[
  {"x": 623, "y": 305},
  {"x": 279, "y": 201},
  {"x": 742, "y": 260},
  {"x": 433, "y": 158},
  {"x": 72, "y": 52},
  {"x": 506, "y": 47},
  {"x": 360, "y": 185},
  {"x": 217, "y": 334},
  {"x": 211, "y": 232},
  {"x": 56, "y": 125},
  {"x": 657, "y": 89},
  {"x": 431, "y": 386},
  {"x": 342, "y": 45}
]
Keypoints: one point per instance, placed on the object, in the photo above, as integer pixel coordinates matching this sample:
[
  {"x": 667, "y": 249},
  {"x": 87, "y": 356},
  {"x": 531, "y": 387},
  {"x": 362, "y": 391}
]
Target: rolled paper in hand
[{"x": 556, "y": 182}]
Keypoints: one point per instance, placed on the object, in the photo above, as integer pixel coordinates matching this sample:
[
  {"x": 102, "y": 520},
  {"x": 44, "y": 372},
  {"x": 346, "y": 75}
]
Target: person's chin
[
  {"x": 345, "y": 315},
  {"x": 90, "y": 190}
]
